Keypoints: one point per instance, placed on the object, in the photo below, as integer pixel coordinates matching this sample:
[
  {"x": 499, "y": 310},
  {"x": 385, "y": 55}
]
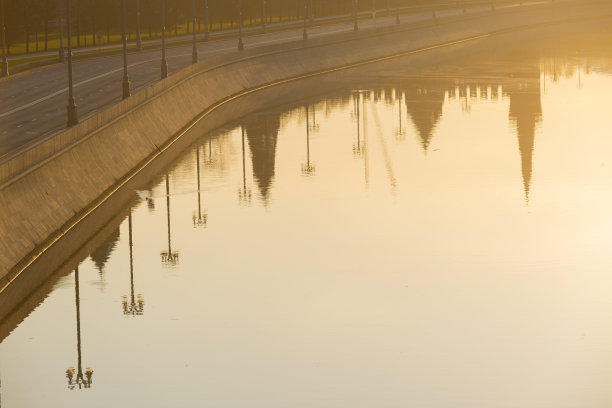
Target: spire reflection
[{"x": 262, "y": 135}]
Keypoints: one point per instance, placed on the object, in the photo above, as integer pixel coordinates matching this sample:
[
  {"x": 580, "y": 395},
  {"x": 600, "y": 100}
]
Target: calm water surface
[{"x": 433, "y": 239}]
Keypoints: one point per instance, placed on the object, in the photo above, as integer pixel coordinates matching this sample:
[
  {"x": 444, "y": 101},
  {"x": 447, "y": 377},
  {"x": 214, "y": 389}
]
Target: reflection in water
[
  {"x": 424, "y": 101},
  {"x": 308, "y": 168},
  {"x": 450, "y": 251},
  {"x": 526, "y": 114},
  {"x": 169, "y": 258},
  {"x": 201, "y": 218},
  {"x": 103, "y": 253},
  {"x": 244, "y": 193},
  {"x": 134, "y": 306},
  {"x": 81, "y": 381},
  {"x": 262, "y": 134}
]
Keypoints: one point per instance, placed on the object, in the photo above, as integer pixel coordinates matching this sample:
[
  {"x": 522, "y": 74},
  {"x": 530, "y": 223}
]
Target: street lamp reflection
[
  {"x": 308, "y": 168},
  {"x": 169, "y": 258},
  {"x": 244, "y": 193},
  {"x": 199, "y": 220},
  {"x": 133, "y": 306}
]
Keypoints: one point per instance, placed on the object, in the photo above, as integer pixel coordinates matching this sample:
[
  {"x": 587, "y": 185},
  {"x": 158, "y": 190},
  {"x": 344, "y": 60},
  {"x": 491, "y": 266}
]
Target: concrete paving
[{"x": 33, "y": 103}]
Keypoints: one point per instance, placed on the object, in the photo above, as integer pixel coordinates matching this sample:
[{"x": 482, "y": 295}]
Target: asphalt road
[{"x": 33, "y": 103}]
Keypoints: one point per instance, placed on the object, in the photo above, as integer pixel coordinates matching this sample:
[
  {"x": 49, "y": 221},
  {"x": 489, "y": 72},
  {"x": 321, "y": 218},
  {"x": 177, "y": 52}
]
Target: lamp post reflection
[
  {"x": 201, "y": 218},
  {"x": 135, "y": 305},
  {"x": 357, "y": 150},
  {"x": 169, "y": 258},
  {"x": 81, "y": 381},
  {"x": 308, "y": 168},
  {"x": 244, "y": 193},
  {"x": 400, "y": 133}
]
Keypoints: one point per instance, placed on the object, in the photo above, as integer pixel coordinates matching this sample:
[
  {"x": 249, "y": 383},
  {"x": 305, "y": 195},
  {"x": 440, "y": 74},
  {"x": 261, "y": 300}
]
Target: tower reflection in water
[
  {"x": 82, "y": 380},
  {"x": 169, "y": 258},
  {"x": 135, "y": 305}
]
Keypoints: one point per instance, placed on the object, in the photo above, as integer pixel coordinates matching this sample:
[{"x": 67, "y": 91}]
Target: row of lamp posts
[{"x": 72, "y": 108}]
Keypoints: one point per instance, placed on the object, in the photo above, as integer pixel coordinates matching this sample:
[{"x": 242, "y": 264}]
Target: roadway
[{"x": 33, "y": 103}]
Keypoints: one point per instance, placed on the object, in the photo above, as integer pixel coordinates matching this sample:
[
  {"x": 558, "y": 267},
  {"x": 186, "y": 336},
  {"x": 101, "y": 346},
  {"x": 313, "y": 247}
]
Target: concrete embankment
[{"x": 57, "y": 195}]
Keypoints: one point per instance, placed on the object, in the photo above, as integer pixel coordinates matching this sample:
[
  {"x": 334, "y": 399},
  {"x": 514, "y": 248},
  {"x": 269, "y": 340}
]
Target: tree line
[{"x": 36, "y": 23}]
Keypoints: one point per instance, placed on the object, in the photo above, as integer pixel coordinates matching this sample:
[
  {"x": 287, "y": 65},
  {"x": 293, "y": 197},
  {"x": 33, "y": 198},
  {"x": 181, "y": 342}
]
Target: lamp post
[
  {"x": 135, "y": 306},
  {"x": 240, "y": 43},
  {"x": 354, "y": 7},
  {"x": 308, "y": 169},
  {"x": 201, "y": 218},
  {"x": 373, "y": 8},
  {"x": 244, "y": 194},
  {"x": 206, "y": 20},
  {"x": 164, "y": 63},
  {"x": 305, "y": 33},
  {"x": 72, "y": 108},
  {"x": 61, "y": 56},
  {"x": 311, "y": 13},
  {"x": 171, "y": 257},
  {"x": 397, "y": 19},
  {"x": 263, "y": 15},
  {"x": 194, "y": 51},
  {"x": 126, "y": 80},
  {"x": 80, "y": 381},
  {"x": 138, "y": 37},
  {"x": 4, "y": 71}
]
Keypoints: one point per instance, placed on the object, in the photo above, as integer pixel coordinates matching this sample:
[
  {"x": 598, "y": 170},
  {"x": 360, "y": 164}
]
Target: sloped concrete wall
[{"x": 48, "y": 193}]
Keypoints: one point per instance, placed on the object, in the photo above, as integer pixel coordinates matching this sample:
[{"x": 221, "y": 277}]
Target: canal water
[{"x": 427, "y": 237}]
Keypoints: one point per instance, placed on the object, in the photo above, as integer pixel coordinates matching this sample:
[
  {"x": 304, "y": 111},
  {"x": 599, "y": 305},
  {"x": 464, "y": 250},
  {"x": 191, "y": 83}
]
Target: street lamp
[
  {"x": 354, "y": 7},
  {"x": 171, "y": 257},
  {"x": 240, "y": 44},
  {"x": 308, "y": 169},
  {"x": 305, "y": 33},
  {"x": 194, "y": 51},
  {"x": 80, "y": 381},
  {"x": 244, "y": 194},
  {"x": 311, "y": 14},
  {"x": 138, "y": 38},
  {"x": 135, "y": 306},
  {"x": 373, "y": 8},
  {"x": 206, "y": 20},
  {"x": 164, "y": 63},
  {"x": 4, "y": 71},
  {"x": 72, "y": 108},
  {"x": 61, "y": 31},
  {"x": 126, "y": 81},
  {"x": 263, "y": 15},
  {"x": 397, "y": 19},
  {"x": 201, "y": 218}
]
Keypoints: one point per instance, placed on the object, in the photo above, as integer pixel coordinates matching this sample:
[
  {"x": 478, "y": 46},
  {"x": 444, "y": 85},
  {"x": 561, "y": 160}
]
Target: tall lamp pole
[
  {"x": 354, "y": 4},
  {"x": 397, "y": 19},
  {"x": 194, "y": 51},
  {"x": 3, "y": 29},
  {"x": 311, "y": 14},
  {"x": 263, "y": 15},
  {"x": 72, "y": 108},
  {"x": 240, "y": 43},
  {"x": 138, "y": 37},
  {"x": 62, "y": 58},
  {"x": 305, "y": 33},
  {"x": 206, "y": 20},
  {"x": 373, "y": 8},
  {"x": 164, "y": 63},
  {"x": 126, "y": 80}
]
